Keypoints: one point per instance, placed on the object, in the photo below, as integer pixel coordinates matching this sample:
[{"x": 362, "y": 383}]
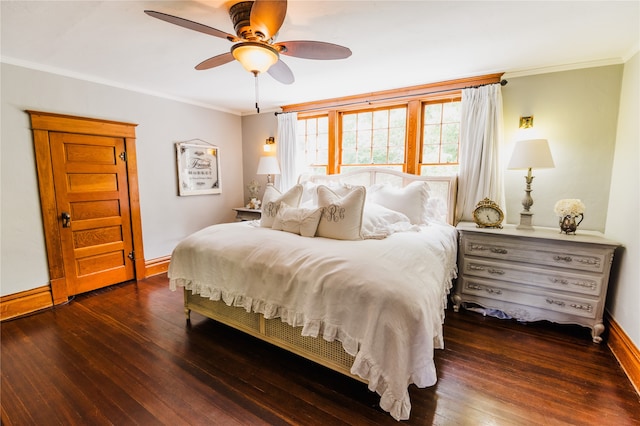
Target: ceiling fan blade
[
  {"x": 185, "y": 23},
  {"x": 215, "y": 61},
  {"x": 267, "y": 16},
  {"x": 314, "y": 50},
  {"x": 281, "y": 72}
]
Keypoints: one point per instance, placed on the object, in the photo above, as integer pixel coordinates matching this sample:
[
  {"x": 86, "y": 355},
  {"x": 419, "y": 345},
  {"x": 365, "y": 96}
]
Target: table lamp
[
  {"x": 530, "y": 154},
  {"x": 268, "y": 166}
]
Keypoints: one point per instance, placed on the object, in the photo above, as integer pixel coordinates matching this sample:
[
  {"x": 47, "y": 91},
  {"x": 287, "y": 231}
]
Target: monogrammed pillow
[
  {"x": 272, "y": 199},
  {"x": 342, "y": 215}
]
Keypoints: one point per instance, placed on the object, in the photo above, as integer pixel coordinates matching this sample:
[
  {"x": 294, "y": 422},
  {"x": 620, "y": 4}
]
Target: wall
[
  {"x": 577, "y": 112},
  {"x": 166, "y": 217},
  {"x": 622, "y": 216}
]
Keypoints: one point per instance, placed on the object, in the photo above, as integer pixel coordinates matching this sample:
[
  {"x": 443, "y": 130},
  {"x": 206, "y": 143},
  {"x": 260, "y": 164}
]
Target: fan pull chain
[{"x": 255, "y": 74}]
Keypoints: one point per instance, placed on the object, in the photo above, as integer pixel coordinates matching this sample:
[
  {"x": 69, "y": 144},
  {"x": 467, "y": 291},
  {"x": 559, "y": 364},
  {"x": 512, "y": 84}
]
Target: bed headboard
[{"x": 443, "y": 187}]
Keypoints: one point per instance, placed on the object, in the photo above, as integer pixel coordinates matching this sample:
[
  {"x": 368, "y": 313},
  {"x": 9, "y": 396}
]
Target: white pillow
[
  {"x": 379, "y": 222},
  {"x": 310, "y": 191},
  {"x": 272, "y": 199},
  {"x": 298, "y": 221},
  {"x": 436, "y": 210},
  {"x": 410, "y": 200},
  {"x": 342, "y": 215}
]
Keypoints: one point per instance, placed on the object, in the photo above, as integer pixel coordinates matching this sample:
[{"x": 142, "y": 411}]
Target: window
[
  {"x": 440, "y": 138},
  {"x": 313, "y": 144},
  {"x": 414, "y": 129},
  {"x": 375, "y": 137}
]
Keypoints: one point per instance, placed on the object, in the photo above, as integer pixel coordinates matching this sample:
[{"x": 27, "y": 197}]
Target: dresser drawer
[
  {"x": 565, "y": 256},
  {"x": 574, "y": 305},
  {"x": 554, "y": 279}
]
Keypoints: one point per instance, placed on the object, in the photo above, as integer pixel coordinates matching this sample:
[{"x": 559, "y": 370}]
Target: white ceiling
[{"x": 394, "y": 44}]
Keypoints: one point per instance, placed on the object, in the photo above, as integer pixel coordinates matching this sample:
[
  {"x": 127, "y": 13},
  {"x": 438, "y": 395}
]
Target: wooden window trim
[
  {"x": 389, "y": 97},
  {"x": 413, "y": 98}
]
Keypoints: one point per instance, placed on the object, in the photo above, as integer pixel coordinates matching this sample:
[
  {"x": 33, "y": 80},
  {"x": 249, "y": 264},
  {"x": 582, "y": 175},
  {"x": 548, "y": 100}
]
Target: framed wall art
[{"x": 198, "y": 169}]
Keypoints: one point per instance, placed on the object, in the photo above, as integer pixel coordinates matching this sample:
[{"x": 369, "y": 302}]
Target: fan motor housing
[{"x": 240, "y": 14}]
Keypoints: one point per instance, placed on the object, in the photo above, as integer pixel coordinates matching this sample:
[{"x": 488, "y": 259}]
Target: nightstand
[
  {"x": 243, "y": 213},
  {"x": 534, "y": 275}
]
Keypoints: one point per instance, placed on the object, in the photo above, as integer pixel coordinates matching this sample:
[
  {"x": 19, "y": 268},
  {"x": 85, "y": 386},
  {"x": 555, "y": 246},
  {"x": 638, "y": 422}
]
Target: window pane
[
  {"x": 451, "y": 112},
  {"x": 348, "y": 122},
  {"x": 440, "y": 136},
  {"x": 396, "y": 155},
  {"x": 349, "y": 156},
  {"x": 381, "y": 119},
  {"x": 380, "y": 138},
  {"x": 451, "y": 133},
  {"x": 449, "y": 153},
  {"x": 430, "y": 154},
  {"x": 364, "y": 155},
  {"x": 398, "y": 117},
  {"x": 349, "y": 140},
  {"x": 432, "y": 113},
  {"x": 365, "y": 120}
]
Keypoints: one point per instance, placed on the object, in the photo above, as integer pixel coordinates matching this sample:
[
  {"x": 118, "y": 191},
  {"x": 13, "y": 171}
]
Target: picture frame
[{"x": 198, "y": 169}]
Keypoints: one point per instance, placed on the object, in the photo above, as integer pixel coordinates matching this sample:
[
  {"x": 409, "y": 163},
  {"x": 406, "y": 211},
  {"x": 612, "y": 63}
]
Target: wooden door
[
  {"x": 90, "y": 180},
  {"x": 87, "y": 173}
]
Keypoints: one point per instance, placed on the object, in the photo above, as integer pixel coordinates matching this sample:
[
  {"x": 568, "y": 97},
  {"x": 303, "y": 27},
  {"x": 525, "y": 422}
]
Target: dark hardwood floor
[{"x": 125, "y": 355}]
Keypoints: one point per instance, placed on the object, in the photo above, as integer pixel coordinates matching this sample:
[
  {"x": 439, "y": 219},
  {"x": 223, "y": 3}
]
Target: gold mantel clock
[{"x": 488, "y": 214}]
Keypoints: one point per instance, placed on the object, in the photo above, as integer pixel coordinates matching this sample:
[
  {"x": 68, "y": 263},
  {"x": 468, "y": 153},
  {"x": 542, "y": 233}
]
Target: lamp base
[{"x": 525, "y": 221}]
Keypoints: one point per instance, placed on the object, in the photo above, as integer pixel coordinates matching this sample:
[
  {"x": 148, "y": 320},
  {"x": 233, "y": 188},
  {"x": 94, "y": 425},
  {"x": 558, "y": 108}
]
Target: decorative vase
[{"x": 568, "y": 223}]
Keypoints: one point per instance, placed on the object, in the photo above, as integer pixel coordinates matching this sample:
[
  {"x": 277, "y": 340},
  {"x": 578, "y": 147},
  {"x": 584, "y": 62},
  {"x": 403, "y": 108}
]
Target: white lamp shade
[
  {"x": 268, "y": 166},
  {"x": 531, "y": 153}
]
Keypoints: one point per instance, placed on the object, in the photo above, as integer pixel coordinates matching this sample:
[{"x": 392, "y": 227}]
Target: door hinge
[
  {"x": 131, "y": 255},
  {"x": 123, "y": 156}
]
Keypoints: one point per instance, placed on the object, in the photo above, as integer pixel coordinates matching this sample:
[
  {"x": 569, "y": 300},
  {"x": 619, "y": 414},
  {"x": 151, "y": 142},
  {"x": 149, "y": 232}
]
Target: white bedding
[{"x": 383, "y": 299}]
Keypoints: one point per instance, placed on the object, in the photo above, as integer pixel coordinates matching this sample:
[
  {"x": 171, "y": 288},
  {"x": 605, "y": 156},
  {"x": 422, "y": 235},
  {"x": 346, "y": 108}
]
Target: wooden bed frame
[{"x": 276, "y": 332}]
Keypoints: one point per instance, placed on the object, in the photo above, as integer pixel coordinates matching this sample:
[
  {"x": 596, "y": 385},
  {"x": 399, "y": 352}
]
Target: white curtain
[
  {"x": 287, "y": 151},
  {"x": 480, "y": 172}
]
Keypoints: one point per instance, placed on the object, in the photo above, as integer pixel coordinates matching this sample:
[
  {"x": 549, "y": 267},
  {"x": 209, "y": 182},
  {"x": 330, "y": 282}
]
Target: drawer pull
[
  {"x": 484, "y": 248},
  {"x": 495, "y": 271},
  {"x": 563, "y": 258},
  {"x": 587, "y": 308},
  {"x": 487, "y": 289},
  {"x": 555, "y": 302},
  {"x": 586, "y": 284},
  {"x": 590, "y": 262}
]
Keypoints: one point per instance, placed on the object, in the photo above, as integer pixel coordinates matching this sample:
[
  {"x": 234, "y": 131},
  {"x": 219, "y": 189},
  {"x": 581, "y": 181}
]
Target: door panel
[{"x": 90, "y": 182}]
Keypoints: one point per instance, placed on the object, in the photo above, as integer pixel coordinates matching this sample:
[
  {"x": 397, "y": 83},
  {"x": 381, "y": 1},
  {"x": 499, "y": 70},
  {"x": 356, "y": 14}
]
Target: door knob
[{"x": 66, "y": 220}]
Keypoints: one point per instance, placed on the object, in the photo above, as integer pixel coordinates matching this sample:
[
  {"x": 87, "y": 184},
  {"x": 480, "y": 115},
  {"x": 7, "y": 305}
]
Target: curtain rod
[{"x": 502, "y": 83}]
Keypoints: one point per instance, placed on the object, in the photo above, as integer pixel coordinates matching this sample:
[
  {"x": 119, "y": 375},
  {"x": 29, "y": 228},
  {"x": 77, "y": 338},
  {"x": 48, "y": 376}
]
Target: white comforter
[{"x": 383, "y": 299}]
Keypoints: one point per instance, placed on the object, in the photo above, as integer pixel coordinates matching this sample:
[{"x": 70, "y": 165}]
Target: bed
[{"x": 350, "y": 271}]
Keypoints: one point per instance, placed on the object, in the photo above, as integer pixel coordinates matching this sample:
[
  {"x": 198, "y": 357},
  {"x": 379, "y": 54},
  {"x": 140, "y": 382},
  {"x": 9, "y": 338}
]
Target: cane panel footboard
[{"x": 274, "y": 331}]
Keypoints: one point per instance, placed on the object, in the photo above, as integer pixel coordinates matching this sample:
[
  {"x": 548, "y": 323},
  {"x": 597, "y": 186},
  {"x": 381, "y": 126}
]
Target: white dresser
[{"x": 535, "y": 275}]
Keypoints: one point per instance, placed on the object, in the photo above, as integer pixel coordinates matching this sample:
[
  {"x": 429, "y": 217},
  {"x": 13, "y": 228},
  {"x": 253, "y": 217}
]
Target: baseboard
[
  {"x": 25, "y": 302},
  {"x": 625, "y": 352},
  {"x": 157, "y": 266}
]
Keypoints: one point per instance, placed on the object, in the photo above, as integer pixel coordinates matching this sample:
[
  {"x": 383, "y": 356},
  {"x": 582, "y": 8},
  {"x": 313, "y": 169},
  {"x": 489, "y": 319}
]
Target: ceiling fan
[{"x": 256, "y": 24}]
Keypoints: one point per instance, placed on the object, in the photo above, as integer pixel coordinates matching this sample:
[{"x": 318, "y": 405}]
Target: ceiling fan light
[{"x": 255, "y": 57}]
